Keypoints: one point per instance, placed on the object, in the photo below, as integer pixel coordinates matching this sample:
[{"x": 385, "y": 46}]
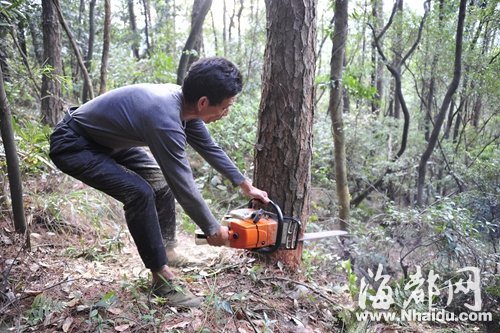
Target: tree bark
[
  {"x": 106, "y": 39},
  {"x": 284, "y": 134},
  {"x": 14, "y": 175},
  {"x": 193, "y": 43},
  {"x": 51, "y": 105},
  {"x": 444, "y": 106},
  {"x": 336, "y": 110}
]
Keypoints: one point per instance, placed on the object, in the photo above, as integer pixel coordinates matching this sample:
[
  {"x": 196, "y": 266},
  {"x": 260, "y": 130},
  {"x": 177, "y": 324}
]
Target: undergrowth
[{"x": 95, "y": 282}]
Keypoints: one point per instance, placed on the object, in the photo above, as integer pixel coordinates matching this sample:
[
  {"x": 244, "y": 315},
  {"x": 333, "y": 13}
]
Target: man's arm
[
  {"x": 199, "y": 138},
  {"x": 167, "y": 146}
]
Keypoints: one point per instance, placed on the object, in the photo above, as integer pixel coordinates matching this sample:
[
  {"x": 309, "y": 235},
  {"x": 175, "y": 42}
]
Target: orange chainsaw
[{"x": 265, "y": 232}]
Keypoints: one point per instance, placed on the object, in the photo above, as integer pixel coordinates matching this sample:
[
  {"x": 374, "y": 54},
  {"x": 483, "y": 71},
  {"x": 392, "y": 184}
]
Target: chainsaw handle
[{"x": 277, "y": 244}]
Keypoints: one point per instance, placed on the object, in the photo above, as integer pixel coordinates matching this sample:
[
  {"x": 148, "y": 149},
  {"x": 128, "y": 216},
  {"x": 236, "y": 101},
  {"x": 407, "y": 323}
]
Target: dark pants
[{"x": 131, "y": 176}]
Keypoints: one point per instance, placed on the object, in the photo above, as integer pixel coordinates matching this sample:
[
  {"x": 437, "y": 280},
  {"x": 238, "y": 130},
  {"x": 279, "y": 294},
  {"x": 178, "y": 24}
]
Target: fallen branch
[
  {"x": 249, "y": 320},
  {"x": 314, "y": 290},
  {"x": 30, "y": 294}
]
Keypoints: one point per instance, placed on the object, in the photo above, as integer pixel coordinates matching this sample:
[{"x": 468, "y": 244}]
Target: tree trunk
[
  {"x": 284, "y": 134},
  {"x": 169, "y": 22},
  {"x": 106, "y": 39},
  {"x": 133, "y": 30},
  {"x": 193, "y": 43},
  {"x": 449, "y": 121},
  {"x": 398, "y": 46},
  {"x": 224, "y": 28},
  {"x": 458, "y": 123},
  {"x": 336, "y": 110},
  {"x": 4, "y": 66},
  {"x": 25, "y": 62},
  {"x": 240, "y": 13},
  {"x": 147, "y": 26},
  {"x": 21, "y": 37},
  {"x": 444, "y": 106},
  {"x": 378, "y": 64},
  {"x": 431, "y": 90},
  {"x": 90, "y": 49},
  {"x": 76, "y": 49},
  {"x": 35, "y": 38},
  {"x": 14, "y": 175},
  {"x": 51, "y": 105}
]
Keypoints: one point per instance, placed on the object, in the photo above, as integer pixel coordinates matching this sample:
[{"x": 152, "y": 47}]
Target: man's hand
[
  {"x": 253, "y": 192},
  {"x": 220, "y": 237}
]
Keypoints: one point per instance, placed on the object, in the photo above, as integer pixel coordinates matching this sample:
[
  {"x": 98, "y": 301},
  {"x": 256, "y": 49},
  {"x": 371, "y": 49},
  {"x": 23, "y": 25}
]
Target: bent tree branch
[
  {"x": 395, "y": 71},
  {"x": 78, "y": 54},
  {"x": 422, "y": 166}
]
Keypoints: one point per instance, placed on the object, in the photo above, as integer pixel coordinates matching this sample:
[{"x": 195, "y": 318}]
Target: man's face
[{"x": 215, "y": 112}]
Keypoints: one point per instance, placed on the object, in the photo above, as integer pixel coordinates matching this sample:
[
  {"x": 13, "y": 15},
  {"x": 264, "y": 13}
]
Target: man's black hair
[{"x": 214, "y": 77}]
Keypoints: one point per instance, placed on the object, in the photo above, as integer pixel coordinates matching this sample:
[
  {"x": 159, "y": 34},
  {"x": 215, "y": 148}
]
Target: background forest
[{"x": 420, "y": 124}]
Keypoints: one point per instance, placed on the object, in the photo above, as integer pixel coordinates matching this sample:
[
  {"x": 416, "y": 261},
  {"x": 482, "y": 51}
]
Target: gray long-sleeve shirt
[{"x": 150, "y": 115}]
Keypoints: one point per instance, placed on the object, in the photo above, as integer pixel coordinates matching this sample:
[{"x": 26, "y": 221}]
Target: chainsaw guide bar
[
  {"x": 322, "y": 234},
  {"x": 265, "y": 232}
]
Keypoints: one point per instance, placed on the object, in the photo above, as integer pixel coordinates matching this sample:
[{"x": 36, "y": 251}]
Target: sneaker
[
  {"x": 175, "y": 259},
  {"x": 176, "y": 295}
]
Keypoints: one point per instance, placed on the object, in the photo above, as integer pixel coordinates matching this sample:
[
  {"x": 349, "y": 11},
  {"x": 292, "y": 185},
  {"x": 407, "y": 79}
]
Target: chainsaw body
[
  {"x": 260, "y": 230},
  {"x": 250, "y": 229}
]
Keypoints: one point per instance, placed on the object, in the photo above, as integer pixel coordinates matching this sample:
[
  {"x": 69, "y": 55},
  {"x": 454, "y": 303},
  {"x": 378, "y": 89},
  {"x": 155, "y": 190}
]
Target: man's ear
[{"x": 203, "y": 103}]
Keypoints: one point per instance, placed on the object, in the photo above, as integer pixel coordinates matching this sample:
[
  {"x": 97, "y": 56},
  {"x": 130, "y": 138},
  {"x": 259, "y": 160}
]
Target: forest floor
[
  {"x": 85, "y": 289},
  {"x": 69, "y": 281}
]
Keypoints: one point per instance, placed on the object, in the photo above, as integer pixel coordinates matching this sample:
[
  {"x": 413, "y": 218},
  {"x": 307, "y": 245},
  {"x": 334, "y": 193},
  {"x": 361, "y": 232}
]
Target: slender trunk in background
[
  {"x": 336, "y": 110},
  {"x": 377, "y": 63},
  {"x": 193, "y": 44},
  {"x": 432, "y": 78},
  {"x": 488, "y": 37},
  {"x": 422, "y": 167},
  {"x": 398, "y": 47},
  {"x": 224, "y": 28},
  {"x": 24, "y": 58},
  {"x": 51, "y": 105},
  {"x": 90, "y": 49},
  {"x": 284, "y": 135},
  {"x": 75, "y": 67},
  {"x": 4, "y": 30},
  {"x": 36, "y": 37},
  {"x": 133, "y": 29},
  {"x": 76, "y": 50},
  {"x": 13, "y": 172},
  {"x": 240, "y": 12},
  {"x": 396, "y": 74},
  {"x": 21, "y": 38},
  {"x": 106, "y": 40},
  {"x": 169, "y": 17},
  {"x": 147, "y": 26}
]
